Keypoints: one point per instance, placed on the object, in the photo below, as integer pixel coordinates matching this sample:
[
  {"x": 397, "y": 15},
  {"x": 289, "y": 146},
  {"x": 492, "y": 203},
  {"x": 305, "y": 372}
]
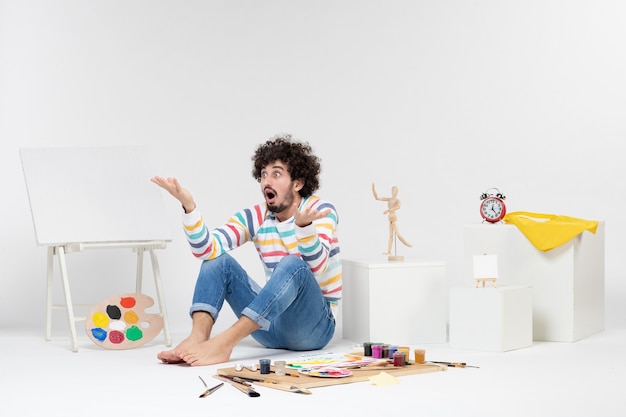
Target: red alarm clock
[{"x": 492, "y": 207}]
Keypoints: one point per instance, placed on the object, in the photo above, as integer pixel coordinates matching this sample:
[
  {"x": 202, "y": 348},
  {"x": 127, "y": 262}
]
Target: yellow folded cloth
[
  {"x": 384, "y": 378},
  {"x": 547, "y": 231}
]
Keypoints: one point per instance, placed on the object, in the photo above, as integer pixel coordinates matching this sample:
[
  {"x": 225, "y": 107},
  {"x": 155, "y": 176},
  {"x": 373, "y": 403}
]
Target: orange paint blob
[{"x": 131, "y": 317}]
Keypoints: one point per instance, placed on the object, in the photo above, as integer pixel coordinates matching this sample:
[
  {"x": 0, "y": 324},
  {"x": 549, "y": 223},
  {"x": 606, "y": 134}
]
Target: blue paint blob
[{"x": 99, "y": 334}]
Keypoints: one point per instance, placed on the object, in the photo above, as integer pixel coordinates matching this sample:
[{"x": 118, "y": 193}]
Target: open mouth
[{"x": 270, "y": 195}]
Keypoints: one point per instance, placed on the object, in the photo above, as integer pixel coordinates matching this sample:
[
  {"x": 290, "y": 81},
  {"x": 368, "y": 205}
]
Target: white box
[
  {"x": 399, "y": 302},
  {"x": 567, "y": 281},
  {"x": 492, "y": 319}
]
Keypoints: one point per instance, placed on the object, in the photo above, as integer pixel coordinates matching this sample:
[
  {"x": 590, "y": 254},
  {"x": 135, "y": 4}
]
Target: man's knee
[
  {"x": 291, "y": 262},
  {"x": 220, "y": 262}
]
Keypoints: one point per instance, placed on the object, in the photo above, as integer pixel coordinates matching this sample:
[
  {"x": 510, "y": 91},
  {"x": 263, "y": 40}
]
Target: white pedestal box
[
  {"x": 399, "y": 302},
  {"x": 491, "y": 319},
  {"x": 567, "y": 282}
]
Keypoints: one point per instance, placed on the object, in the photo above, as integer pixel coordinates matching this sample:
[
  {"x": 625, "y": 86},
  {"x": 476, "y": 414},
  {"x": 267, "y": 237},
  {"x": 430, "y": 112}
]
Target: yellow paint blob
[{"x": 100, "y": 319}]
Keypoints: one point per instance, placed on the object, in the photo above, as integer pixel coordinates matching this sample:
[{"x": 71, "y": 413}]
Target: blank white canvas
[
  {"x": 93, "y": 194},
  {"x": 485, "y": 266}
]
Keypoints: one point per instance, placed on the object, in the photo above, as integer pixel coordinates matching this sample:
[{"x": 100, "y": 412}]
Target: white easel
[{"x": 94, "y": 198}]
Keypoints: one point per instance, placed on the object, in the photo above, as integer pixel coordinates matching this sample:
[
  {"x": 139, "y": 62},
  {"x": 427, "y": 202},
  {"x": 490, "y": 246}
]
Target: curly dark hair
[{"x": 301, "y": 163}]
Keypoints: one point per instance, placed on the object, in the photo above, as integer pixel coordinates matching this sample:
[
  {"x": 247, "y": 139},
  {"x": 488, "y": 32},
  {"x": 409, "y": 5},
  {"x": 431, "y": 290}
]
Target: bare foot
[
  {"x": 169, "y": 356},
  {"x": 173, "y": 356},
  {"x": 209, "y": 352}
]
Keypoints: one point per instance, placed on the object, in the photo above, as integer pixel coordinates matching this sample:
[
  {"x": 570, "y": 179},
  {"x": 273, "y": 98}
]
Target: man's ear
[{"x": 298, "y": 184}]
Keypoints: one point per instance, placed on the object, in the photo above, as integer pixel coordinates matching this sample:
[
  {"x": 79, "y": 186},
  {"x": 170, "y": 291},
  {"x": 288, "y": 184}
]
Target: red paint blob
[
  {"x": 116, "y": 337},
  {"x": 128, "y": 302}
]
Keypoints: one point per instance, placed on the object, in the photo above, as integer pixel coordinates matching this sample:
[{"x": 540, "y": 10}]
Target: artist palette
[
  {"x": 120, "y": 322},
  {"x": 326, "y": 372}
]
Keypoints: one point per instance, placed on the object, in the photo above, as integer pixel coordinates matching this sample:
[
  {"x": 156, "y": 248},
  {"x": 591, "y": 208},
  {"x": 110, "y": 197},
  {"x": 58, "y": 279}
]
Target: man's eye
[{"x": 276, "y": 174}]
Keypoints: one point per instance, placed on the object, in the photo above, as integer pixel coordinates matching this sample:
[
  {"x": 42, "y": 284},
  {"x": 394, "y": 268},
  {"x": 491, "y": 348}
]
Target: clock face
[{"x": 492, "y": 209}]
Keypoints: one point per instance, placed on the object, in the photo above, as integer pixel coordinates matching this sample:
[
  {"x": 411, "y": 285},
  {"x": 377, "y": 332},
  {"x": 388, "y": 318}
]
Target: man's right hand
[{"x": 172, "y": 186}]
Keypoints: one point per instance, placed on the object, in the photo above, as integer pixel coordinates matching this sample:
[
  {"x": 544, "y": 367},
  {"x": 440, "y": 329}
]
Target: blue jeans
[{"x": 290, "y": 308}]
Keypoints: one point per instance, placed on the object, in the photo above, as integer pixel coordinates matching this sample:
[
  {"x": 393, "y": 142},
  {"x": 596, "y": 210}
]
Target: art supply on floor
[
  {"x": 280, "y": 368},
  {"x": 392, "y": 349},
  {"x": 420, "y": 355},
  {"x": 327, "y": 372},
  {"x": 405, "y": 350},
  {"x": 385, "y": 352},
  {"x": 121, "y": 322},
  {"x": 264, "y": 365},
  {"x": 398, "y": 358},
  {"x": 283, "y": 387},
  {"x": 240, "y": 384},
  {"x": 455, "y": 364},
  {"x": 358, "y": 375},
  {"x": 270, "y": 382},
  {"x": 377, "y": 351},
  {"x": 211, "y": 390}
]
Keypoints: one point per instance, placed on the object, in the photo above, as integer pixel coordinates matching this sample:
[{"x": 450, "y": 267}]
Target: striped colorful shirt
[{"x": 317, "y": 244}]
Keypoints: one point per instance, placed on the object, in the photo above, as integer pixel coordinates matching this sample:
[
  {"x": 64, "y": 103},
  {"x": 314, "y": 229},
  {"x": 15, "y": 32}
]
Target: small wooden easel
[
  {"x": 485, "y": 269},
  {"x": 483, "y": 280}
]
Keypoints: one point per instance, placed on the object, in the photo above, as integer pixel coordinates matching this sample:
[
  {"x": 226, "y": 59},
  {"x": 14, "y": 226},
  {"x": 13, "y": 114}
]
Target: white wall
[{"x": 442, "y": 98}]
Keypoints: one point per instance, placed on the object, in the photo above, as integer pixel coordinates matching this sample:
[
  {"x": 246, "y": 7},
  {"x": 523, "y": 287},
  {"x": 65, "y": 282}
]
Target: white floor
[{"x": 585, "y": 378}]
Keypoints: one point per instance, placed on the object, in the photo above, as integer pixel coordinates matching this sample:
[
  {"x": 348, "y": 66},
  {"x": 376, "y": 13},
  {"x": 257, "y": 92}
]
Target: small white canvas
[{"x": 485, "y": 266}]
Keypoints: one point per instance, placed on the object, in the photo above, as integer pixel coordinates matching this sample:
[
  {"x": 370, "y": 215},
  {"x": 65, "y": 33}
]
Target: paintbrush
[
  {"x": 455, "y": 364},
  {"x": 270, "y": 383},
  {"x": 241, "y": 385},
  {"x": 211, "y": 390},
  {"x": 280, "y": 385},
  {"x": 283, "y": 387}
]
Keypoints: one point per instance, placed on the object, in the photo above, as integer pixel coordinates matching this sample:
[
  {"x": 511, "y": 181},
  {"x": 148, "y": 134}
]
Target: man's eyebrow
[{"x": 280, "y": 167}]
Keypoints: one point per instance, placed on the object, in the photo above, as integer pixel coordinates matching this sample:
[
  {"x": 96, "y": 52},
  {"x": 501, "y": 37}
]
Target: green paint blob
[{"x": 134, "y": 333}]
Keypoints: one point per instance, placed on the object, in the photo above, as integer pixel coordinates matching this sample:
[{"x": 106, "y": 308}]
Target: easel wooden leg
[
  {"x": 484, "y": 280},
  {"x": 68, "y": 297},
  {"x": 49, "y": 280},
  {"x": 157, "y": 284},
  {"x": 159, "y": 290}
]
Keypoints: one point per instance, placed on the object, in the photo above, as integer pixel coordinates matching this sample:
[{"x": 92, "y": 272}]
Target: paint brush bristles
[{"x": 209, "y": 391}]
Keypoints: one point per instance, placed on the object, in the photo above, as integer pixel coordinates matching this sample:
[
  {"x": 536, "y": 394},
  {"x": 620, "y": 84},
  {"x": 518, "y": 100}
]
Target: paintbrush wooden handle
[
  {"x": 249, "y": 391},
  {"x": 241, "y": 386},
  {"x": 283, "y": 387}
]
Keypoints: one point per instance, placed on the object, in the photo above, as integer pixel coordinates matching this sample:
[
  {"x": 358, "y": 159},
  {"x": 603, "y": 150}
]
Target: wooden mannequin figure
[{"x": 393, "y": 204}]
